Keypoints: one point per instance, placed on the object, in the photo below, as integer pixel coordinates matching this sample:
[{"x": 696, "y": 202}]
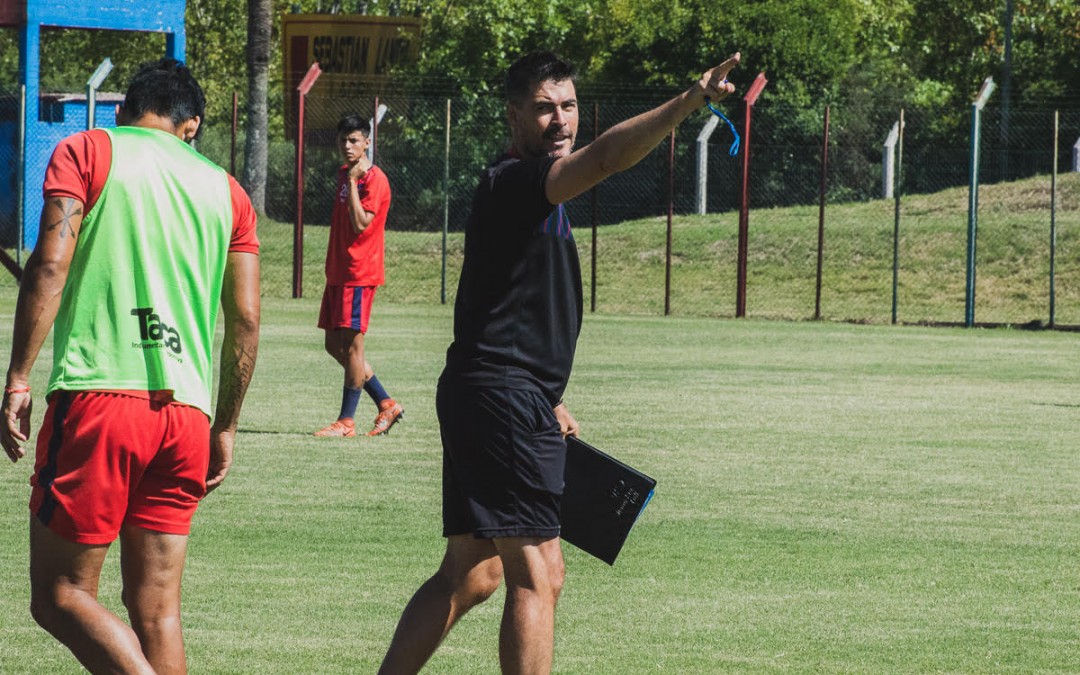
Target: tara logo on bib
[{"x": 155, "y": 333}]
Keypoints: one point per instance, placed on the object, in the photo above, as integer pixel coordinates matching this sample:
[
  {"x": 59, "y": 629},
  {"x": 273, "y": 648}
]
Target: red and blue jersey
[{"x": 357, "y": 259}]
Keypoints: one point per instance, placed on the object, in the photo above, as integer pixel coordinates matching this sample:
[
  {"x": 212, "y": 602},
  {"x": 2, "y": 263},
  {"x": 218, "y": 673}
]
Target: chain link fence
[
  {"x": 433, "y": 148},
  {"x": 10, "y": 103},
  {"x": 1013, "y": 253}
]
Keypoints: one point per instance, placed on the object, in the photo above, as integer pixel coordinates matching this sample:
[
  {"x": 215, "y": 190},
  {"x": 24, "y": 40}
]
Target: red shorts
[
  {"x": 346, "y": 307},
  {"x": 106, "y": 459}
]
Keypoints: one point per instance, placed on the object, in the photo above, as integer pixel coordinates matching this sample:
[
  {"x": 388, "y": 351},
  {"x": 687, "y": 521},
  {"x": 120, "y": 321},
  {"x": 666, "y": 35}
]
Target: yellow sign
[{"x": 354, "y": 53}]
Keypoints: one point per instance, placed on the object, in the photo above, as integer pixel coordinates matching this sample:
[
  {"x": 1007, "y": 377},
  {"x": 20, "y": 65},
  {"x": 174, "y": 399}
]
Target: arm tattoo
[
  {"x": 69, "y": 208},
  {"x": 237, "y": 368}
]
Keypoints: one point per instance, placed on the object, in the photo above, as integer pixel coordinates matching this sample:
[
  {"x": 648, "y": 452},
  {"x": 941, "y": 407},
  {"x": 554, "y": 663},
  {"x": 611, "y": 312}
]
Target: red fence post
[
  {"x": 1053, "y": 216},
  {"x": 298, "y": 226},
  {"x": 744, "y": 194},
  {"x": 593, "y": 198},
  {"x": 670, "y": 218},
  {"x": 821, "y": 213}
]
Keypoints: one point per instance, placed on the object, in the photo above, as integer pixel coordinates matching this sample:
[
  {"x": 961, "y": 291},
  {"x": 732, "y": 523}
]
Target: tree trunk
[{"x": 258, "y": 64}]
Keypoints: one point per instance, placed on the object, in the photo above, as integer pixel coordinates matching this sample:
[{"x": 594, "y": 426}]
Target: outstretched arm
[
  {"x": 39, "y": 300},
  {"x": 240, "y": 306},
  {"x": 627, "y": 143}
]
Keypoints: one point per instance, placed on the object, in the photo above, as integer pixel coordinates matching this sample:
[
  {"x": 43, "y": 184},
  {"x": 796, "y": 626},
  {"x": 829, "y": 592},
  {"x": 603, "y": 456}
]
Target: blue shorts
[{"x": 503, "y": 462}]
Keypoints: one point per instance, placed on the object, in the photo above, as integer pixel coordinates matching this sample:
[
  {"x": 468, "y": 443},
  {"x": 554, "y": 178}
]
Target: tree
[
  {"x": 258, "y": 65},
  {"x": 215, "y": 50},
  {"x": 466, "y": 46}
]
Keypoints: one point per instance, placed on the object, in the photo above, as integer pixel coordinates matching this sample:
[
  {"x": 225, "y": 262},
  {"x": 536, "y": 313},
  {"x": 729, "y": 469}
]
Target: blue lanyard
[{"x": 734, "y": 149}]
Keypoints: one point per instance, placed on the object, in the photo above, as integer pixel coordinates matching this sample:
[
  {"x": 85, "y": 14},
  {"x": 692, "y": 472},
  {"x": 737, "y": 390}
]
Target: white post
[
  {"x": 379, "y": 114},
  {"x": 703, "y": 160},
  {"x": 92, "y": 85},
  {"x": 888, "y": 161},
  {"x": 1076, "y": 156}
]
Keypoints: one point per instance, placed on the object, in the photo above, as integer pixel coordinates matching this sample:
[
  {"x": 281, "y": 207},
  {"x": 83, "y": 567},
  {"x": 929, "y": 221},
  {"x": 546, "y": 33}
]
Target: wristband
[
  {"x": 734, "y": 149},
  {"x": 16, "y": 390}
]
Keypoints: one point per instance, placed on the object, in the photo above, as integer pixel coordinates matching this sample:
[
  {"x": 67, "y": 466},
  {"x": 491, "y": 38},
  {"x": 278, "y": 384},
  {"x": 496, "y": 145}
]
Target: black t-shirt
[{"x": 518, "y": 310}]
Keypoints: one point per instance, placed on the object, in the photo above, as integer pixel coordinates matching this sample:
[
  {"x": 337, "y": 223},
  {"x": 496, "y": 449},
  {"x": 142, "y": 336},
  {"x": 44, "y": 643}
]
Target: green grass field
[{"x": 832, "y": 498}]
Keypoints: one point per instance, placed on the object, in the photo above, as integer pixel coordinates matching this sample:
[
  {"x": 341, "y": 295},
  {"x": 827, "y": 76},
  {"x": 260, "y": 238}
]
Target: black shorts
[{"x": 503, "y": 462}]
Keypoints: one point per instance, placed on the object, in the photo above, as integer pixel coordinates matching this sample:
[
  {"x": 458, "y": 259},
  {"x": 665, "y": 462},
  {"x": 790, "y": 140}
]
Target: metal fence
[{"x": 433, "y": 168}]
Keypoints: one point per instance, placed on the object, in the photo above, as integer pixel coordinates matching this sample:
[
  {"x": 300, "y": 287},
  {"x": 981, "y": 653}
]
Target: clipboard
[{"x": 602, "y": 499}]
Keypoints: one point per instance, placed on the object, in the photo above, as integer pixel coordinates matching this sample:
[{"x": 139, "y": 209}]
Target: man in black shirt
[{"x": 516, "y": 322}]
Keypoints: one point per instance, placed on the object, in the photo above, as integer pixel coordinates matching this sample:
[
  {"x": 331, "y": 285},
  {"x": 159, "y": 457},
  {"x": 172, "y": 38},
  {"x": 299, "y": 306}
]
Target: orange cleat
[
  {"x": 344, "y": 428},
  {"x": 389, "y": 413}
]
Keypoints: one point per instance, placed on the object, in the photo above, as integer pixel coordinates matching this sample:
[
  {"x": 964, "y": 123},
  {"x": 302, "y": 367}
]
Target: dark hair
[
  {"x": 167, "y": 88},
  {"x": 532, "y": 69},
  {"x": 352, "y": 122}
]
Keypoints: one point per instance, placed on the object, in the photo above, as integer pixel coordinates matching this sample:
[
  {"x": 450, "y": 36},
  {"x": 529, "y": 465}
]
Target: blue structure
[{"x": 51, "y": 118}]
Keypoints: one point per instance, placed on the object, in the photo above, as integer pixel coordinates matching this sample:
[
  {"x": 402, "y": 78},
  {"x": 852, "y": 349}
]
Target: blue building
[{"x": 51, "y": 117}]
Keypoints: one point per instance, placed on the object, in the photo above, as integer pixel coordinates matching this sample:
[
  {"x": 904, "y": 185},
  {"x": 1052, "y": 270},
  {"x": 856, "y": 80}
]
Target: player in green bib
[
  {"x": 157, "y": 329},
  {"x": 142, "y": 239}
]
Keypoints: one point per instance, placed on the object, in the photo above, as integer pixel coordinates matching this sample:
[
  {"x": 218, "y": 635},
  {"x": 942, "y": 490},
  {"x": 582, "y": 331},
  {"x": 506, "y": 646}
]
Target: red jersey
[
  {"x": 357, "y": 259},
  {"x": 80, "y": 165}
]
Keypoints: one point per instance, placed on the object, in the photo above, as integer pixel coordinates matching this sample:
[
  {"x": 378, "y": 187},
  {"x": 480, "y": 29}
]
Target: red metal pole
[
  {"x": 821, "y": 213},
  {"x": 298, "y": 227},
  {"x": 744, "y": 215},
  {"x": 670, "y": 218},
  {"x": 593, "y": 196},
  {"x": 744, "y": 195},
  {"x": 232, "y": 147}
]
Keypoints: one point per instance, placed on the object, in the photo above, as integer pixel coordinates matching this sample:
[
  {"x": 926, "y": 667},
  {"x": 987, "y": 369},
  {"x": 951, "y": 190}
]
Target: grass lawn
[{"x": 832, "y": 498}]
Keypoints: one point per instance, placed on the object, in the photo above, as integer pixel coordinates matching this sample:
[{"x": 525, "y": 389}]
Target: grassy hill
[{"x": 1012, "y": 281}]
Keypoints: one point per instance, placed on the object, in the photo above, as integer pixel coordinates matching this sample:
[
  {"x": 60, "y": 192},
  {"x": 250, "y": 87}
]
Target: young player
[{"x": 354, "y": 269}]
